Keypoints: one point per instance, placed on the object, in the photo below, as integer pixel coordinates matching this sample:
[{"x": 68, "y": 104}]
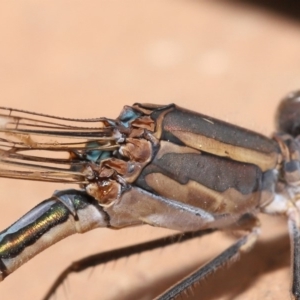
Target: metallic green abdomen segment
[
  {"x": 215, "y": 184},
  {"x": 213, "y": 136},
  {"x": 66, "y": 213},
  {"x": 17, "y": 238},
  {"x": 41, "y": 219}
]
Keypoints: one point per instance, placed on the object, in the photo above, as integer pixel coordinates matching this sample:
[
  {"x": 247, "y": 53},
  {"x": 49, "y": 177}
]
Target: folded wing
[{"x": 46, "y": 148}]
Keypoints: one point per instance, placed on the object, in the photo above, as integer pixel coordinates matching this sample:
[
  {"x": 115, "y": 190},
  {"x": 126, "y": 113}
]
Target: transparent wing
[{"x": 47, "y": 148}]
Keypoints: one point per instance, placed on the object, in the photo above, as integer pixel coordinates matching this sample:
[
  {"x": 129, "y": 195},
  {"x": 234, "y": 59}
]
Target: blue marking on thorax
[
  {"x": 128, "y": 115},
  {"x": 95, "y": 155}
]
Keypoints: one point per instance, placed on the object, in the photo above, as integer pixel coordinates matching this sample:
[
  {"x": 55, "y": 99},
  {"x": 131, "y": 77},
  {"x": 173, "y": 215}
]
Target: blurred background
[{"x": 233, "y": 60}]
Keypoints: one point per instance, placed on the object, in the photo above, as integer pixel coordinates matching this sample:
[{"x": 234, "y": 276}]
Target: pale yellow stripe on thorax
[{"x": 265, "y": 161}]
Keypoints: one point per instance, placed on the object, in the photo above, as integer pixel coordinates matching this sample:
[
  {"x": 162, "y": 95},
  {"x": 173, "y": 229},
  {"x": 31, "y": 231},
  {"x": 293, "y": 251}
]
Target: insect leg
[
  {"x": 288, "y": 202},
  {"x": 104, "y": 257},
  {"x": 242, "y": 245},
  {"x": 294, "y": 231}
]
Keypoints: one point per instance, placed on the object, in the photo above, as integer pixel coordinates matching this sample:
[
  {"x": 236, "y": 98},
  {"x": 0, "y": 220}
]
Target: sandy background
[{"x": 230, "y": 59}]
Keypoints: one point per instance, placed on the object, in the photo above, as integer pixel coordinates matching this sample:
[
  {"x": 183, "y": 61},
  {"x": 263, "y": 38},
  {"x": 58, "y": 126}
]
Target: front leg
[
  {"x": 231, "y": 254},
  {"x": 294, "y": 232}
]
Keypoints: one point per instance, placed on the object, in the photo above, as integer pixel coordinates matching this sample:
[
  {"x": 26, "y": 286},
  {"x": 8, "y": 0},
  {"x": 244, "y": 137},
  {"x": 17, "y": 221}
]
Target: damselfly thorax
[{"x": 164, "y": 166}]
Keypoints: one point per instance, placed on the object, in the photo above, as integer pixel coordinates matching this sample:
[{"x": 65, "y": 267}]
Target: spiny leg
[
  {"x": 294, "y": 231},
  {"x": 244, "y": 244},
  {"x": 104, "y": 257}
]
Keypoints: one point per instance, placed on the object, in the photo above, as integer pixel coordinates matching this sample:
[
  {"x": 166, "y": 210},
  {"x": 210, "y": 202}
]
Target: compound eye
[{"x": 288, "y": 114}]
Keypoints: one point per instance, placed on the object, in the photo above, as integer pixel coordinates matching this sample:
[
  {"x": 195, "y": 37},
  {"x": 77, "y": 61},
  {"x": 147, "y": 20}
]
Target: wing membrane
[{"x": 47, "y": 148}]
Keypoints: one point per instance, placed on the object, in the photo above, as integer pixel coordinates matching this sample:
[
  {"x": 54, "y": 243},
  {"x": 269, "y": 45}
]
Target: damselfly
[{"x": 163, "y": 166}]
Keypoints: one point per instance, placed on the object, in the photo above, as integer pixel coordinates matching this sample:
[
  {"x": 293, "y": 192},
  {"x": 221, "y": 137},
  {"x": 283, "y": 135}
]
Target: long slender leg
[
  {"x": 295, "y": 254},
  {"x": 100, "y": 258},
  {"x": 231, "y": 253}
]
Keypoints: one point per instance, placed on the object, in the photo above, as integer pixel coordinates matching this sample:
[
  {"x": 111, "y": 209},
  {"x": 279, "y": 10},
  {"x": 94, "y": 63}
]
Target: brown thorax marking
[{"x": 109, "y": 178}]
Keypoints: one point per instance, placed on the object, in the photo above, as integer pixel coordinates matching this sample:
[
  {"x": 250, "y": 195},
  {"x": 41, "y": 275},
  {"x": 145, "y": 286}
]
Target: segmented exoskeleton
[{"x": 159, "y": 165}]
